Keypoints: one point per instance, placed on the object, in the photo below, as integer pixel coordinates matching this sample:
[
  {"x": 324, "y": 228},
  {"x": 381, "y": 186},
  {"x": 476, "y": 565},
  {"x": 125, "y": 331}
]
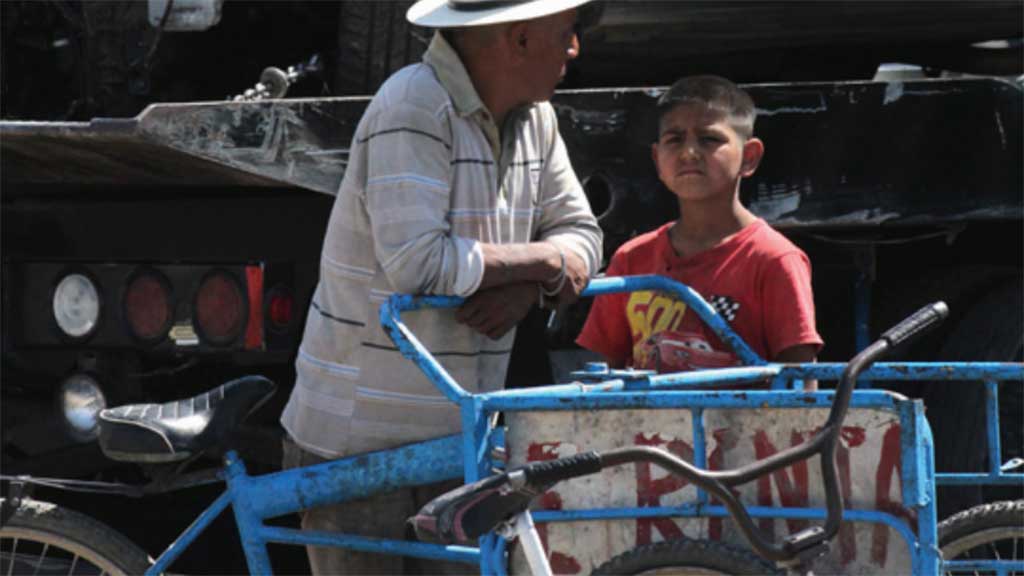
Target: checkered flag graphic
[{"x": 725, "y": 306}]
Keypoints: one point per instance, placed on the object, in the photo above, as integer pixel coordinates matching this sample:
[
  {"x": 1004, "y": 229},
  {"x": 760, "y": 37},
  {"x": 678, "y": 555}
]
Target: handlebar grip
[
  {"x": 552, "y": 471},
  {"x": 920, "y": 321}
]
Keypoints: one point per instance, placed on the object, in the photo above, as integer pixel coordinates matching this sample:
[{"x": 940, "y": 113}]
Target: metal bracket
[{"x": 16, "y": 491}]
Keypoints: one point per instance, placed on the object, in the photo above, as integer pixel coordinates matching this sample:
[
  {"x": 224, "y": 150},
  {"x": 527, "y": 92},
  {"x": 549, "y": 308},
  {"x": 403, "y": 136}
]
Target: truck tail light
[
  {"x": 254, "y": 331},
  {"x": 147, "y": 306},
  {"x": 220, "y": 308},
  {"x": 279, "y": 310},
  {"x": 76, "y": 305}
]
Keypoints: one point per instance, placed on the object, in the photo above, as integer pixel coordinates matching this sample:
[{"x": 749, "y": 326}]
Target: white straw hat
[{"x": 460, "y": 13}]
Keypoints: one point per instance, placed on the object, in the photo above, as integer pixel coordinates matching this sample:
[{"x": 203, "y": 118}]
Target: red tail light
[
  {"x": 280, "y": 308},
  {"x": 220, "y": 308},
  {"x": 147, "y": 306}
]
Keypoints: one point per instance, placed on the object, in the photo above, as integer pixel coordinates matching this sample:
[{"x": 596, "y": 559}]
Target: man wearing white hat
[{"x": 457, "y": 183}]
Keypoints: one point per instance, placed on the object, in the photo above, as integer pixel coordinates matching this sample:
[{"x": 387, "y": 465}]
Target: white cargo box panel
[{"x": 869, "y": 473}]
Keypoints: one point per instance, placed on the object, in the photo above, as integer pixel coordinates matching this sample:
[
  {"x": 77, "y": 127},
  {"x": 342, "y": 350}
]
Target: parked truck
[{"x": 161, "y": 235}]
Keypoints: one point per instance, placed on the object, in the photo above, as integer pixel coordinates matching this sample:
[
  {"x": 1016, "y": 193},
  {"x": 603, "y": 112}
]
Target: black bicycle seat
[
  {"x": 468, "y": 512},
  {"x": 175, "y": 430}
]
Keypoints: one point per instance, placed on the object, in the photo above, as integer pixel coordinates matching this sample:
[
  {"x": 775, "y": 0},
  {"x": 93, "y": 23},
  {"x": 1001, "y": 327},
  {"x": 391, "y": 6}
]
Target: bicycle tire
[
  {"x": 698, "y": 557},
  {"x": 43, "y": 538},
  {"x": 993, "y": 530}
]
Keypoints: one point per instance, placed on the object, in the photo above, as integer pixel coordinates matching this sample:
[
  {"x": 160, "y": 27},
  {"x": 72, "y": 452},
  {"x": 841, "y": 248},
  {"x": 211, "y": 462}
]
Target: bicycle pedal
[
  {"x": 806, "y": 538},
  {"x": 806, "y": 546}
]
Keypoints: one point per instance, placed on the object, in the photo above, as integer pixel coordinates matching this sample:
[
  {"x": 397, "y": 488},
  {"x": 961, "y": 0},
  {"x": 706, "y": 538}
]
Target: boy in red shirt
[{"x": 752, "y": 275}]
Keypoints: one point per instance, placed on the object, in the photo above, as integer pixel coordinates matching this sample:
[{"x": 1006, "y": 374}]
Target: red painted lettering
[
  {"x": 725, "y": 440},
  {"x": 847, "y": 535},
  {"x": 792, "y": 488},
  {"x": 649, "y": 490},
  {"x": 560, "y": 563},
  {"x": 889, "y": 466}
]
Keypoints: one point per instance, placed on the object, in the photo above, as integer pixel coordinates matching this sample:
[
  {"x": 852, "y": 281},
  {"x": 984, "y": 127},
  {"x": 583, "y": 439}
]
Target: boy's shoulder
[
  {"x": 771, "y": 239},
  {"x": 646, "y": 244},
  {"x": 769, "y": 242}
]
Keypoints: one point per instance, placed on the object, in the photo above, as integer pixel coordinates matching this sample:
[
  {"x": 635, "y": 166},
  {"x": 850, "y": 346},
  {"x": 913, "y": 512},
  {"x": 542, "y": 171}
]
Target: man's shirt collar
[{"x": 453, "y": 75}]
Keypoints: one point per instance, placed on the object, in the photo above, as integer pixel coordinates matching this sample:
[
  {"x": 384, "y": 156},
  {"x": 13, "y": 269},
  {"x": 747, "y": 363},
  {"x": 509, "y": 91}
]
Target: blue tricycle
[{"x": 475, "y": 523}]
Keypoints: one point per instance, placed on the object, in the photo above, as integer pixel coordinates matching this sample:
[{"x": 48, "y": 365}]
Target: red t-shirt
[{"x": 758, "y": 281}]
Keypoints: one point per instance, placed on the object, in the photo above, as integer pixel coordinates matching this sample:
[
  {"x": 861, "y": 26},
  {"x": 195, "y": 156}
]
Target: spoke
[
  {"x": 14, "y": 555},
  {"x": 42, "y": 557},
  {"x": 73, "y": 562}
]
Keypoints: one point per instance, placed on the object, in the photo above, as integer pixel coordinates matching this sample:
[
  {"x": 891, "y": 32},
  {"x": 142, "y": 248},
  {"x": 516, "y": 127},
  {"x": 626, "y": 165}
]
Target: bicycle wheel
[
  {"x": 43, "y": 538},
  {"x": 697, "y": 557},
  {"x": 990, "y": 531}
]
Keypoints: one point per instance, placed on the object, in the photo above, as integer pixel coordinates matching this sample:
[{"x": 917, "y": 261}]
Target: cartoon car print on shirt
[{"x": 672, "y": 351}]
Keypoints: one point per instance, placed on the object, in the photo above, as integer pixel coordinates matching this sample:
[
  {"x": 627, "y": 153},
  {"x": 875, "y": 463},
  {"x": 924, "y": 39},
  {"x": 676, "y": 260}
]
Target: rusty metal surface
[
  {"x": 300, "y": 143},
  {"x": 837, "y": 154},
  {"x": 106, "y": 153}
]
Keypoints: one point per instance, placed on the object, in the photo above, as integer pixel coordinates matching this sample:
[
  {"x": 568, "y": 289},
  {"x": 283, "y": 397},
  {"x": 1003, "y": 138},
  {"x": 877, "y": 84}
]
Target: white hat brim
[{"x": 439, "y": 14}]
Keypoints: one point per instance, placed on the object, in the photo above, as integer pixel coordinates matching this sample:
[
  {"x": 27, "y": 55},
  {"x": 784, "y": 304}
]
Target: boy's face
[{"x": 699, "y": 155}]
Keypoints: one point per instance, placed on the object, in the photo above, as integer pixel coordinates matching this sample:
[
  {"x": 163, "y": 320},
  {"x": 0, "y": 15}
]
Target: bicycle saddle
[
  {"x": 175, "y": 430},
  {"x": 468, "y": 512}
]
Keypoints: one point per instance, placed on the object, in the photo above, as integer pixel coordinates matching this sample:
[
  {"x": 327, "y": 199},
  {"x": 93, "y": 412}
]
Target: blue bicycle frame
[{"x": 255, "y": 499}]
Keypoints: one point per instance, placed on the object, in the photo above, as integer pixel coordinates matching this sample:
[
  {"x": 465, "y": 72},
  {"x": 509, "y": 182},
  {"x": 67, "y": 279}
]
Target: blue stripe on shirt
[{"x": 395, "y": 178}]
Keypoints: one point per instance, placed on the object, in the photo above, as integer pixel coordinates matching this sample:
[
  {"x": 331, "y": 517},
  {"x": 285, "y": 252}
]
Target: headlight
[
  {"x": 81, "y": 400},
  {"x": 76, "y": 305}
]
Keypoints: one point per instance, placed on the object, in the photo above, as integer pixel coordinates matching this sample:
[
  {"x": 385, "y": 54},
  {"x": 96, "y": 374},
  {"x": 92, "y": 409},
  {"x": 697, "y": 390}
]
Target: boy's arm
[
  {"x": 789, "y": 312},
  {"x": 800, "y": 354}
]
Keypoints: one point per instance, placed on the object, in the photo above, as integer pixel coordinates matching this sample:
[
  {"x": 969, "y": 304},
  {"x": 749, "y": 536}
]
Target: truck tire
[
  {"x": 984, "y": 532},
  {"x": 991, "y": 330},
  {"x": 374, "y": 40},
  {"x": 43, "y": 538},
  {"x": 686, "y": 557}
]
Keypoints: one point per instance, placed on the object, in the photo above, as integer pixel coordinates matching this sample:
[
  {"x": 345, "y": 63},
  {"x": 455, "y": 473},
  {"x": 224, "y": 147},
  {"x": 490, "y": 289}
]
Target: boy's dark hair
[{"x": 715, "y": 93}]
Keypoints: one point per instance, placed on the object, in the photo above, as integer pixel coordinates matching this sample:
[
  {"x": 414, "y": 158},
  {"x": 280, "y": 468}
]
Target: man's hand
[
  {"x": 576, "y": 280},
  {"x": 495, "y": 311}
]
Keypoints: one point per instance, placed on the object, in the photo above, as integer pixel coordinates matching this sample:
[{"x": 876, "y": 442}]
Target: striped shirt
[{"x": 430, "y": 177}]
